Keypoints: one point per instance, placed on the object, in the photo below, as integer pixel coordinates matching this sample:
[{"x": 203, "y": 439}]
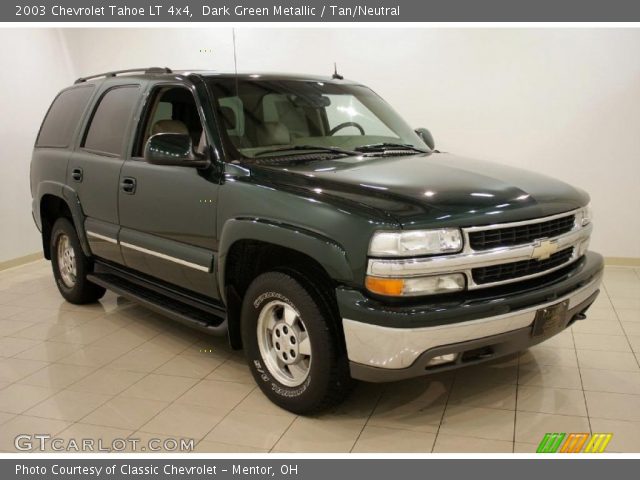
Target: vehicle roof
[
  {"x": 267, "y": 76},
  {"x": 159, "y": 73}
]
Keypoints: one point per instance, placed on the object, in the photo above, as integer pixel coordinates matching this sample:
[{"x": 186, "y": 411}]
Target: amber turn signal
[
  {"x": 385, "y": 286},
  {"x": 415, "y": 286}
]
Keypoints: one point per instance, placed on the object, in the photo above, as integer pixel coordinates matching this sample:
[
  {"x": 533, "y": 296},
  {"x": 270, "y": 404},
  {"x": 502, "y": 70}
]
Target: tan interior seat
[
  {"x": 169, "y": 126},
  {"x": 272, "y": 133},
  {"x": 228, "y": 117}
]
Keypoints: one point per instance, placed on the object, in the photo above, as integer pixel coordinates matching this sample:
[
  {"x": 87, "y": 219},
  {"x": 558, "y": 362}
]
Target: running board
[{"x": 154, "y": 300}]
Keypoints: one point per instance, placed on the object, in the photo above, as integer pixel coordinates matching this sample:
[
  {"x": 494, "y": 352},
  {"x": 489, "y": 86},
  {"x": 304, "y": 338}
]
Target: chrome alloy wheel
[
  {"x": 66, "y": 261},
  {"x": 284, "y": 343}
]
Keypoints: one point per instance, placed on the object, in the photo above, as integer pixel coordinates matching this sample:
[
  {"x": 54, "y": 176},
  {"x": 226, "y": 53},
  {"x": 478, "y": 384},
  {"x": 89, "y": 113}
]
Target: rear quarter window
[
  {"x": 108, "y": 127},
  {"x": 63, "y": 116}
]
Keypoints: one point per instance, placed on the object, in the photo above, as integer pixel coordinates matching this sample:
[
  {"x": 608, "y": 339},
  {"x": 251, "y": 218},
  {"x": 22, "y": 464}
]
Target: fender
[
  {"x": 70, "y": 197},
  {"x": 73, "y": 201},
  {"x": 331, "y": 256},
  {"x": 46, "y": 187}
]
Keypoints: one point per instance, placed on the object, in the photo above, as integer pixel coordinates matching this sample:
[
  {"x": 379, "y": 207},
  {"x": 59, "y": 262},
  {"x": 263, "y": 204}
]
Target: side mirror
[
  {"x": 426, "y": 137},
  {"x": 173, "y": 149}
]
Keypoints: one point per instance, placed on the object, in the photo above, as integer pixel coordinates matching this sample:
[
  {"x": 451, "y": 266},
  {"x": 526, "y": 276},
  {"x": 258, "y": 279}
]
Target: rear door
[
  {"x": 168, "y": 213},
  {"x": 94, "y": 168}
]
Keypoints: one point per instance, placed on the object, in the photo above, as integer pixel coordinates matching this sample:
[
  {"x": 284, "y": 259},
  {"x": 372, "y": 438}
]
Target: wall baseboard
[
  {"x": 622, "y": 261},
  {"x": 16, "y": 262}
]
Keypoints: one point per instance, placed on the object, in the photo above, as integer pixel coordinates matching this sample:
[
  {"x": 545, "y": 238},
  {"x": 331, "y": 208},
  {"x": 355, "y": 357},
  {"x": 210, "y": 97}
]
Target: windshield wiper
[
  {"x": 382, "y": 147},
  {"x": 295, "y": 148}
]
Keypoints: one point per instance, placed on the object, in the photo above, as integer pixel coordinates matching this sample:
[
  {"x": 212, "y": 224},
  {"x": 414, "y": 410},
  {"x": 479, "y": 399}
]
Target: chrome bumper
[{"x": 388, "y": 348}]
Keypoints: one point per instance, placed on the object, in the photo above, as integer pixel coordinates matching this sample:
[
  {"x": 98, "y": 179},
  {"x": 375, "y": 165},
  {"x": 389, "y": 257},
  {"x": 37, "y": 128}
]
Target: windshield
[{"x": 264, "y": 118}]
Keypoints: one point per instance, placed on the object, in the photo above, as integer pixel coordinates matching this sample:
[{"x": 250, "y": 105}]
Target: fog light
[
  {"x": 415, "y": 286},
  {"x": 435, "y": 284},
  {"x": 441, "y": 359}
]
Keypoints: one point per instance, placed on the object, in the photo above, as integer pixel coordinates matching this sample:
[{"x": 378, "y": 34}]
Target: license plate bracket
[{"x": 550, "y": 319}]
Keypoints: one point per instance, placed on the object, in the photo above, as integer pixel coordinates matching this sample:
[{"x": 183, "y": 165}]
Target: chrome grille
[
  {"x": 523, "y": 268},
  {"x": 505, "y": 262},
  {"x": 521, "y": 234}
]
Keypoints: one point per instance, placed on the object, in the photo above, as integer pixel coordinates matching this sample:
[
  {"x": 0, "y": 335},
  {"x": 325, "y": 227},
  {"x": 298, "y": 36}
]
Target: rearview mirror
[
  {"x": 426, "y": 137},
  {"x": 311, "y": 101},
  {"x": 173, "y": 149}
]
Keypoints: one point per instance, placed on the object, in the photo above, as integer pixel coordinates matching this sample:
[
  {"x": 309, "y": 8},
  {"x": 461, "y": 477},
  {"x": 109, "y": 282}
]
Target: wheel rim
[
  {"x": 284, "y": 343},
  {"x": 66, "y": 261}
]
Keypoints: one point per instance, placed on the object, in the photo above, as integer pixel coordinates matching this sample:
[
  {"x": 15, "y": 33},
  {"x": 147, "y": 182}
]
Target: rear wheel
[
  {"x": 71, "y": 266},
  {"x": 292, "y": 345}
]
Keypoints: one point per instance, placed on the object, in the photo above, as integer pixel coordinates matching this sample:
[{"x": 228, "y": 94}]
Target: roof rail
[{"x": 151, "y": 70}]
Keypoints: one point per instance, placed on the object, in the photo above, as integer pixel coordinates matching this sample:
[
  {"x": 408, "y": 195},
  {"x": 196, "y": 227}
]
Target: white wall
[
  {"x": 565, "y": 102},
  {"x": 562, "y": 101},
  {"x": 34, "y": 69}
]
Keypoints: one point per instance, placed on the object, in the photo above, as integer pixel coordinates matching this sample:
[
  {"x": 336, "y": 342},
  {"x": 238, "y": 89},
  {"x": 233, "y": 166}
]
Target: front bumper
[{"x": 391, "y": 343}]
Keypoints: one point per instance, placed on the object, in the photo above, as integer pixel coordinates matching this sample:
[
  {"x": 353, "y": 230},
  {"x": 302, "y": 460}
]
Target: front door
[{"x": 168, "y": 213}]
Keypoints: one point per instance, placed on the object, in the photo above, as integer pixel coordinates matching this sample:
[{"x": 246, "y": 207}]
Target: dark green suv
[{"x": 303, "y": 218}]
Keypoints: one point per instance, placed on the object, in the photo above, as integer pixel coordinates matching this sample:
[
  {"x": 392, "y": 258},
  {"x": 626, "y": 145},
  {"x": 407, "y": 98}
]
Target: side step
[{"x": 180, "y": 311}]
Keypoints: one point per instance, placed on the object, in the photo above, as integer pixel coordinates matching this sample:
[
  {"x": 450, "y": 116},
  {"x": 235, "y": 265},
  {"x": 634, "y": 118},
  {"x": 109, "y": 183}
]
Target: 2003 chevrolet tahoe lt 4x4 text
[{"x": 303, "y": 218}]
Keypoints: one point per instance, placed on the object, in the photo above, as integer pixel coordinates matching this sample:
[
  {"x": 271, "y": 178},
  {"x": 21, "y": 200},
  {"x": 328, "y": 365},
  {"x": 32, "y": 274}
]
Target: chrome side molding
[
  {"x": 154, "y": 253},
  {"x": 102, "y": 237},
  {"x": 164, "y": 256}
]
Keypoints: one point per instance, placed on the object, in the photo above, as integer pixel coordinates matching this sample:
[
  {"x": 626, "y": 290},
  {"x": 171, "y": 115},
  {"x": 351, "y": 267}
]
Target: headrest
[
  {"x": 169, "y": 126},
  {"x": 228, "y": 117},
  {"x": 272, "y": 133}
]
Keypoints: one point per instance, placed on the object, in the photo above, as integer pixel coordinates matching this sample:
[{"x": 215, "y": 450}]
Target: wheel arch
[
  {"x": 251, "y": 247},
  {"x": 56, "y": 200}
]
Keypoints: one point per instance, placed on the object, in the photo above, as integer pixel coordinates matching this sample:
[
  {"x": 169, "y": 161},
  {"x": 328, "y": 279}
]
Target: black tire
[
  {"x": 328, "y": 381},
  {"x": 81, "y": 290}
]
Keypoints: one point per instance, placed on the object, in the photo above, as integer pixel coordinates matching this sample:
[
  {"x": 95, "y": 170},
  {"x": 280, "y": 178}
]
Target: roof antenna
[
  {"x": 235, "y": 60},
  {"x": 336, "y": 75}
]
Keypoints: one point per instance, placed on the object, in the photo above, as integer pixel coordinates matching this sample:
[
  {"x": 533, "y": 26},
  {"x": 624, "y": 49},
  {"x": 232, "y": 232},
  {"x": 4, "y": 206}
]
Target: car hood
[{"x": 430, "y": 189}]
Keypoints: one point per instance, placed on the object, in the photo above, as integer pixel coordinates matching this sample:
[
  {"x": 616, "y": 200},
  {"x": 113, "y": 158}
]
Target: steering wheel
[{"x": 335, "y": 129}]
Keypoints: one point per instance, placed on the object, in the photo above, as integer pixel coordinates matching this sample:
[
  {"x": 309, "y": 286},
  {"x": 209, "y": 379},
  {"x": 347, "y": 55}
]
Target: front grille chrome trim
[
  {"x": 520, "y": 235},
  {"x": 468, "y": 259},
  {"x": 521, "y": 223},
  {"x": 563, "y": 257}
]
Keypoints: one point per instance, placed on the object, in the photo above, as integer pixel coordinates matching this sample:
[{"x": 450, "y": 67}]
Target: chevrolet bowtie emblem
[{"x": 544, "y": 250}]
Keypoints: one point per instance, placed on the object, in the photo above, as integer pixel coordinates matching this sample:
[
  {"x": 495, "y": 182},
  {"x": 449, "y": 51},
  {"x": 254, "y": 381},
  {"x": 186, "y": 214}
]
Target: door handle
[
  {"x": 128, "y": 185},
  {"x": 76, "y": 174}
]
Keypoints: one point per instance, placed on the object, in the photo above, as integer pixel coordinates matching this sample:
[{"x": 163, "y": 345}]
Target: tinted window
[
  {"x": 63, "y": 117},
  {"x": 170, "y": 110},
  {"x": 110, "y": 120},
  {"x": 267, "y": 116}
]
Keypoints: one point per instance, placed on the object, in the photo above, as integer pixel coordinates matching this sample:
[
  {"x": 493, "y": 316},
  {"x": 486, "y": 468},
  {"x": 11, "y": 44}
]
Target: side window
[
  {"x": 170, "y": 110},
  {"x": 63, "y": 117},
  {"x": 110, "y": 119}
]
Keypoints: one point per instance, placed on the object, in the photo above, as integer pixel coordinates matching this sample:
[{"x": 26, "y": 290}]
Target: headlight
[
  {"x": 415, "y": 242},
  {"x": 584, "y": 216},
  {"x": 411, "y": 287}
]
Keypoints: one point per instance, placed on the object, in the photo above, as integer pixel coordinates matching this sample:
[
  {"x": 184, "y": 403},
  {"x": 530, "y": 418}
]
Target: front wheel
[
  {"x": 71, "y": 266},
  {"x": 292, "y": 345}
]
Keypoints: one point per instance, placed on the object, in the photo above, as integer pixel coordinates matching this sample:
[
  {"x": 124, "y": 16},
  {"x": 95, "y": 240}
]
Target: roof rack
[{"x": 152, "y": 70}]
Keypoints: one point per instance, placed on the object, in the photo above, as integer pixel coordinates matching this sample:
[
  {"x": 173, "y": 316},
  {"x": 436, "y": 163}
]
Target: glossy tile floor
[{"x": 115, "y": 370}]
